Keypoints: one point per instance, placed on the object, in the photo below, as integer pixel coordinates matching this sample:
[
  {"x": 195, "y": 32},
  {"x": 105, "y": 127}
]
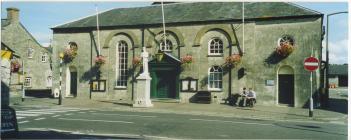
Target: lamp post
[
  {"x": 326, "y": 97},
  {"x": 61, "y": 55}
]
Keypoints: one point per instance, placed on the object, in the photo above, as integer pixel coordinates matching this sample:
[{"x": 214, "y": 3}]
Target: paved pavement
[{"x": 337, "y": 113}]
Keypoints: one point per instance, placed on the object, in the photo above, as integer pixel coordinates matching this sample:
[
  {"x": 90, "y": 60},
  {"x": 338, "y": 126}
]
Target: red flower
[
  {"x": 136, "y": 61},
  {"x": 15, "y": 66},
  {"x": 100, "y": 60},
  {"x": 187, "y": 59},
  {"x": 284, "y": 49},
  {"x": 233, "y": 60}
]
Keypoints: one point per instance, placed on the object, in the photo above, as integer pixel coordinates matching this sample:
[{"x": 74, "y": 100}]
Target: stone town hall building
[{"x": 208, "y": 32}]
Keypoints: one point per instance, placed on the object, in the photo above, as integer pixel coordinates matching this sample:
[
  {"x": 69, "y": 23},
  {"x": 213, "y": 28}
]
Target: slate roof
[
  {"x": 191, "y": 12},
  {"x": 338, "y": 69}
]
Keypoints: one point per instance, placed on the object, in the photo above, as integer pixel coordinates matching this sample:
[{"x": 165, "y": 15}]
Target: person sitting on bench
[{"x": 251, "y": 97}]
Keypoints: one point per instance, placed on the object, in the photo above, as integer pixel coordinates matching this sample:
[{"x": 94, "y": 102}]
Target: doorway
[
  {"x": 163, "y": 83},
  {"x": 71, "y": 82},
  {"x": 286, "y": 86}
]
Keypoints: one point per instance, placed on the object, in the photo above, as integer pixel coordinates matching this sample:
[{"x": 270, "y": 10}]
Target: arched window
[
  {"x": 121, "y": 64},
  {"x": 215, "y": 47},
  {"x": 215, "y": 78},
  {"x": 166, "y": 48},
  {"x": 30, "y": 52}
]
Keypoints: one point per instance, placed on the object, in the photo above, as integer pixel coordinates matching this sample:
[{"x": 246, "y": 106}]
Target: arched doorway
[
  {"x": 71, "y": 81},
  {"x": 286, "y": 85}
]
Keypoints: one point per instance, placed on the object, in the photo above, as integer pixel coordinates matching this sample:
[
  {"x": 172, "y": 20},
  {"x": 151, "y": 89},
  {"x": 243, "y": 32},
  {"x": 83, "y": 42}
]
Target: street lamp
[
  {"x": 326, "y": 97},
  {"x": 61, "y": 55}
]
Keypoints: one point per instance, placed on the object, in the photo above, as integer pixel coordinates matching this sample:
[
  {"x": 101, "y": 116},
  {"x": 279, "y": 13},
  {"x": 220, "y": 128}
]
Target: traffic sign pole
[
  {"x": 311, "y": 64},
  {"x": 311, "y": 99}
]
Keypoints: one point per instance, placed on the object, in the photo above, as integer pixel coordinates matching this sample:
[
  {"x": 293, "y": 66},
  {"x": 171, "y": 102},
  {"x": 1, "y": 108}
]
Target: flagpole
[
  {"x": 243, "y": 14},
  {"x": 98, "y": 30},
  {"x": 164, "y": 26}
]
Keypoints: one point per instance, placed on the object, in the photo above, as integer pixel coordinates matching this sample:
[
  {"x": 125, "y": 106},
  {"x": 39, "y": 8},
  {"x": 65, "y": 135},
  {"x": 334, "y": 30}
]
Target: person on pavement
[
  {"x": 251, "y": 97},
  {"x": 242, "y": 97}
]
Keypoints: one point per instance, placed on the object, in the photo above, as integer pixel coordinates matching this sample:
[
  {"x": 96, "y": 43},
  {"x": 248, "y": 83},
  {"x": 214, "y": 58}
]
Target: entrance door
[
  {"x": 73, "y": 84},
  {"x": 286, "y": 89},
  {"x": 163, "y": 84}
]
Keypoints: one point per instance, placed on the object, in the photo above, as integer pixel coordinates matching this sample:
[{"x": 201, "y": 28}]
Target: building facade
[
  {"x": 31, "y": 57},
  {"x": 338, "y": 75},
  {"x": 193, "y": 56}
]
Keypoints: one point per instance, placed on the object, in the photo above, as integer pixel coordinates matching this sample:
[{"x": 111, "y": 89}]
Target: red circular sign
[{"x": 311, "y": 64}]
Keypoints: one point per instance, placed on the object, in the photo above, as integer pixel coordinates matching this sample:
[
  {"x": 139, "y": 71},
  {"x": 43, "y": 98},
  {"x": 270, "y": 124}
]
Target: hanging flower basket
[
  {"x": 187, "y": 59},
  {"x": 100, "y": 60},
  {"x": 284, "y": 49},
  {"x": 15, "y": 66},
  {"x": 232, "y": 60},
  {"x": 137, "y": 61},
  {"x": 69, "y": 54}
]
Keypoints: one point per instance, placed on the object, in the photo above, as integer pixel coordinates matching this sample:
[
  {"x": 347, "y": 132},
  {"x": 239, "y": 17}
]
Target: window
[
  {"x": 122, "y": 63},
  {"x": 28, "y": 82},
  {"x": 30, "y": 52},
  {"x": 215, "y": 47},
  {"x": 166, "y": 48},
  {"x": 44, "y": 57},
  {"x": 215, "y": 78}
]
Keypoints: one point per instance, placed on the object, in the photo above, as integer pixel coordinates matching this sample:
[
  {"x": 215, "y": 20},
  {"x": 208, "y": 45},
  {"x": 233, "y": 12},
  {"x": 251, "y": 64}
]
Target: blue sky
[{"x": 38, "y": 17}]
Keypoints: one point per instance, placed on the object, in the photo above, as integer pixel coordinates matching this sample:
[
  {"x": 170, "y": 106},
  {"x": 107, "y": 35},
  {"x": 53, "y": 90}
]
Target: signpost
[{"x": 311, "y": 64}]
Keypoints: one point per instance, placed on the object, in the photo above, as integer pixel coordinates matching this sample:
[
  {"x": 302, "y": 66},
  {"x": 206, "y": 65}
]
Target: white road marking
[
  {"x": 93, "y": 120},
  {"x": 27, "y": 115},
  {"x": 125, "y": 115},
  {"x": 81, "y": 112},
  {"x": 39, "y": 119},
  {"x": 19, "y": 117},
  {"x": 23, "y": 122},
  {"x": 34, "y": 112},
  {"x": 56, "y": 116},
  {"x": 68, "y": 114},
  {"x": 231, "y": 122}
]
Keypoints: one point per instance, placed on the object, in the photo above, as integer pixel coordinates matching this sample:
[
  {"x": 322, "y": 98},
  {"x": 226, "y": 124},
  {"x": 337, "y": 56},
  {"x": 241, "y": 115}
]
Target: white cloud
[{"x": 337, "y": 52}]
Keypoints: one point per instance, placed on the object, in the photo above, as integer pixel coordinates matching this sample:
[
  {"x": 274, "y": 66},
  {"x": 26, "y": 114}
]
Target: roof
[
  {"x": 191, "y": 12},
  {"x": 338, "y": 69}
]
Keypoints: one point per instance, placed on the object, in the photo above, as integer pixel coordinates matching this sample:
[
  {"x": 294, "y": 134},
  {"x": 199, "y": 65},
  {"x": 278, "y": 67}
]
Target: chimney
[{"x": 13, "y": 14}]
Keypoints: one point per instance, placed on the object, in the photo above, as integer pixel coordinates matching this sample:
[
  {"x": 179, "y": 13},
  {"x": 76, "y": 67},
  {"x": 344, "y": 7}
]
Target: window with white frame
[
  {"x": 28, "y": 82},
  {"x": 215, "y": 47},
  {"x": 166, "y": 48},
  {"x": 44, "y": 57},
  {"x": 215, "y": 78},
  {"x": 122, "y": 63},
  {"x": 30, "y": 52}
]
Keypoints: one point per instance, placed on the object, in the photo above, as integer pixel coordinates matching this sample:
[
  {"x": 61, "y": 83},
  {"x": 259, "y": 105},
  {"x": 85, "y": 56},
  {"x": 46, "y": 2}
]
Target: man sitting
[
  {"x": 251, "y": 97},
  {"x": 242, "y": 98}
]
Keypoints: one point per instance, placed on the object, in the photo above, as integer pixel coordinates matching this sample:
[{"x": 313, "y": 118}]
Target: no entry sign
[{"x": 311, "y": 64}]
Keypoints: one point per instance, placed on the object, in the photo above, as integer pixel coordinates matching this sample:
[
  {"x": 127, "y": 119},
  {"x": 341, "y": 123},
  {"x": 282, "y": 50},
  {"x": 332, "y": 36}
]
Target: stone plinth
[{"x": 142, "y": 94}]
